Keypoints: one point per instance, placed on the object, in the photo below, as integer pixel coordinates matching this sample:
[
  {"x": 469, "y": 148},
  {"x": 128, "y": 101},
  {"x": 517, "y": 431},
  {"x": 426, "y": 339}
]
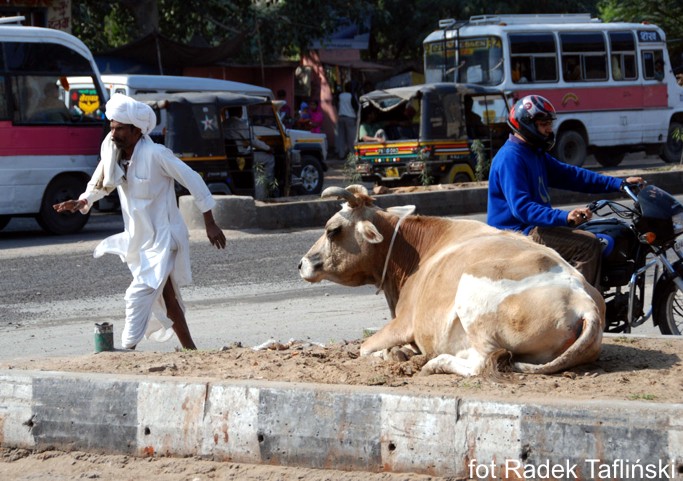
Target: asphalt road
[{"x": 54, "y": 291}]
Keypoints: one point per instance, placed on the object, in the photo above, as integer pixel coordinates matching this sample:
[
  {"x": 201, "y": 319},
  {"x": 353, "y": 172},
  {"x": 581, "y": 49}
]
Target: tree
[
  {"x": 667, "y": 14},
  {"x": 398, "y": 31},
  {"x": 276, "y": 28}
]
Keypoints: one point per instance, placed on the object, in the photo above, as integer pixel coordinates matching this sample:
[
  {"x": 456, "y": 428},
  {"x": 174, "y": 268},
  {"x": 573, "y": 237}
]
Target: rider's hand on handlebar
[
  {"x": 579, "y": 216},
  {"x": 636, "y": 180}
]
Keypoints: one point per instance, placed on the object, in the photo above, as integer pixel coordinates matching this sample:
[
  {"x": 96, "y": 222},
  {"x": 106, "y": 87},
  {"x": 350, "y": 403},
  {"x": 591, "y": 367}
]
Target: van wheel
[
  {"x": 609, "y": 157},
  {"x": 311, "y": 176},
  {"x": 4, "y": 220},
  {"x": 672, "y": 149},
  {"x": 61, "y": 189},
  {"x": 571, "y": 148}
]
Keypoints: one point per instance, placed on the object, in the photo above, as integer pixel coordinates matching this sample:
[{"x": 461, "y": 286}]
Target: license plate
[{"x": 392, "y": 172}]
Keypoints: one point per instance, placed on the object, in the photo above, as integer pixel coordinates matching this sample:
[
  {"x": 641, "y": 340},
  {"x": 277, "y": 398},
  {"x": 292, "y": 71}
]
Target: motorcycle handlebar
[{"x": 631, "y": 190}]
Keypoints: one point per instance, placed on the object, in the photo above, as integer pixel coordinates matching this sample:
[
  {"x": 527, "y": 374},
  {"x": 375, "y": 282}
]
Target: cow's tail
[{"x": 585, "y": 349}]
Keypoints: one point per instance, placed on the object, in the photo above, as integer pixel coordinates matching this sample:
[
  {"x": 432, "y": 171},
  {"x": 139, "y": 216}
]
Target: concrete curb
[
  {"x": 237, "y": 212},
  {"x": 339, "y": 427}
]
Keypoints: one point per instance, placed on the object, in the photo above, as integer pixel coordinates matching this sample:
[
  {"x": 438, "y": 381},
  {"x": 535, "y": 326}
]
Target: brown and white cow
[{"x": 461, "y": 291}]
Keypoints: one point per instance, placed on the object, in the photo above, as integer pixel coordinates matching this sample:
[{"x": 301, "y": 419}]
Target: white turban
[{"x": 129, "y": 111}]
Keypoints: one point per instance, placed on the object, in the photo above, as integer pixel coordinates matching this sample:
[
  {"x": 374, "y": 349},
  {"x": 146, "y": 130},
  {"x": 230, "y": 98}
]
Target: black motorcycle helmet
[{"x": 523, "y": 117}]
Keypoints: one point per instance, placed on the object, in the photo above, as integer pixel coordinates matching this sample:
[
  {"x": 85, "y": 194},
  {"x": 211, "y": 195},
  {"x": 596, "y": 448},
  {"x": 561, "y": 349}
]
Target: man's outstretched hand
[{"x": 70, "y": 205}]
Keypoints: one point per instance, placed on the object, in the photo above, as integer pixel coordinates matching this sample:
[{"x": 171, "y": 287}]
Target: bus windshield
[
  {"x": 478, "y": 60},
  {"x": 49, "y": 134}
]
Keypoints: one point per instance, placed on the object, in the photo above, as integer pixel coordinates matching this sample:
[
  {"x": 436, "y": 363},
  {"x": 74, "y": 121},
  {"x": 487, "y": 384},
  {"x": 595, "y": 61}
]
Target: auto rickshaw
[
  {"x": 426, "y": 132},
  {"x": 194, "y": 126}
]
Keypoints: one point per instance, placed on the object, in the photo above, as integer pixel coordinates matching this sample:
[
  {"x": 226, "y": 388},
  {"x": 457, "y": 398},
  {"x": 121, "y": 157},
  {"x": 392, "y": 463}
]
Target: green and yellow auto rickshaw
[{"x": 425, "y": 134}]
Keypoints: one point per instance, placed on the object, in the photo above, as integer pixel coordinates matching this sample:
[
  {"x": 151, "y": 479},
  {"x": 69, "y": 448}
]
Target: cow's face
[{"x": 345, "y": 253}]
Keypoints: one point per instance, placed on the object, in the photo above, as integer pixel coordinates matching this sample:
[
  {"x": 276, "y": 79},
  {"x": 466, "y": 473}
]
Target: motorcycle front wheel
[{"x": 668, "y": 308}]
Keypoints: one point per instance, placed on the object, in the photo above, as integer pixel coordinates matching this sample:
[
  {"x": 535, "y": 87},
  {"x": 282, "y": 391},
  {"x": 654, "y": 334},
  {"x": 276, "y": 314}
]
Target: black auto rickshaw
[
  {"x": 196, "y": 127},
  {"x": 425, "y": 133}
]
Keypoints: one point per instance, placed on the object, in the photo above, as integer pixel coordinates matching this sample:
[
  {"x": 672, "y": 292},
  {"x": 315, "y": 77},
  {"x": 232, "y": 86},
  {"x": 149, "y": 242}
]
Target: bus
[
  {"x": 47, "y": 152},
  {"x": 611, "y": 83}
]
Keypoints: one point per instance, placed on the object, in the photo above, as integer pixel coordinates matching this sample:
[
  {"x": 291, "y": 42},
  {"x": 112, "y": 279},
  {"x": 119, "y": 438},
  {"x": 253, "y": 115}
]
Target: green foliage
[
  {"x": 260, "y": 179},
  {"x": 273, "y": 28},
  {"x": 666, "y": 14},
  {"x": 483, "y": 164},
  {"x": 277, "y": 28},
  {"x": 351, "y": 175},
  {"x": 678, "y": 135}
]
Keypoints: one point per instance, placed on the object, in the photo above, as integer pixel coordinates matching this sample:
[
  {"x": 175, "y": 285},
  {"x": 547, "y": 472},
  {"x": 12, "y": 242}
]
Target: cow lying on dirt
[{"x": 464, "y": 293}]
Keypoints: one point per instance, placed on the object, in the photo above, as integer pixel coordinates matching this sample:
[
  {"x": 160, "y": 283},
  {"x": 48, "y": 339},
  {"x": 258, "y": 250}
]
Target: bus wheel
[
  {"x": 672, "y": 149},
  {"x": 609, "y": 157},
  {"x": 4, "y": 220},
  {"x": 61, "y": 189},
  {"x": 571, "y": 148}
]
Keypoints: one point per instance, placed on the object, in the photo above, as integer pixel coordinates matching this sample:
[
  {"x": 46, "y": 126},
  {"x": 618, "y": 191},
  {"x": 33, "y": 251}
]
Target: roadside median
[{"x": 240, "y": 212}]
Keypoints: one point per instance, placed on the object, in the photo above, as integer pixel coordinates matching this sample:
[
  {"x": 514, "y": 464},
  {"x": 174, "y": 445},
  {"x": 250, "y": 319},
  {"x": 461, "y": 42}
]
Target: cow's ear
[{"x": 369, "y": 232}]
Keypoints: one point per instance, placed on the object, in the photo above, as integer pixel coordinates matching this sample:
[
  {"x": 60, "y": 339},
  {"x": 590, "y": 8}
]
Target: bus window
[
  {"x": 623, "y": 58},
  {"x": 653, "y": 65},
  {"x": 4, "y": 108},
  {"x": 534, "y": 57},
  {"x": 38, "y": 100},
  {"x": 44, "y": 57},
  {"x": 584, "y": 56}
]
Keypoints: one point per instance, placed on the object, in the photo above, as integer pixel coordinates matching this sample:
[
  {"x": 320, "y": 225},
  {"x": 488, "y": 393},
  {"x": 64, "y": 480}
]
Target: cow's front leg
[{"x": 397, "y": 333}]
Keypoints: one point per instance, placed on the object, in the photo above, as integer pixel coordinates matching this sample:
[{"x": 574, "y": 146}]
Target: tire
[
  {"x": 571, "y": 148},
  {"x": 311, "y": 175},
  {"x": 668, "y": 308},
  {"x": 4, "y": 220},
  {"x": 609, "y": 157},
  {"x": 456, "y": 176},
  {"x": 60, "y": 189},
  {"x": 672, "y": 149}
]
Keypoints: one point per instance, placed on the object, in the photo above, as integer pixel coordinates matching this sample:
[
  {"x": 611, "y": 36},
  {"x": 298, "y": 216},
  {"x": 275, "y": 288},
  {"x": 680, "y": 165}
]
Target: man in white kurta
[{"x": 155, "y": 242}]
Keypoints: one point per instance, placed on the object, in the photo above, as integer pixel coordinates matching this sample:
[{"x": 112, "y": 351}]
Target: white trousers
[{"x": 146, "y": 314}]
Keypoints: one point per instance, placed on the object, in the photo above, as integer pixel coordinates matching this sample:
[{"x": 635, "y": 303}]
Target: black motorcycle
[{"x": 639, "y": 243}]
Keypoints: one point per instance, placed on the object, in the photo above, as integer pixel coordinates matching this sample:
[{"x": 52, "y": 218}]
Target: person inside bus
[
  {"x": 616, "y": 69},
  {"x": 659, "y": 69},
  {"x": 155, "y": 242},
  {"x": 572, "y": 70},
  {"x": 519, "y": 75},
  {"x": 522, "y": 174},
  {"x": 50, "y": 107},
  {"x": 237, "y": 128}
]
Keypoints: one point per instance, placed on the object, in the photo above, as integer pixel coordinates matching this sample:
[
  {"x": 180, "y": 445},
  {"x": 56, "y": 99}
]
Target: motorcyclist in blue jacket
[{"x": 522, "y": 173}]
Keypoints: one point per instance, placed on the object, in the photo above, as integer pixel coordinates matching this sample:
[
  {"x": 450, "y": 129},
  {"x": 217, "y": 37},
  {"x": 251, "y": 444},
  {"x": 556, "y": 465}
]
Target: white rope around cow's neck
[{"x": 405, "y": 210}]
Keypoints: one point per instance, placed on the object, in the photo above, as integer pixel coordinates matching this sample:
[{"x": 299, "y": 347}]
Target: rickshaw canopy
[{"x": 192, "y": 123}]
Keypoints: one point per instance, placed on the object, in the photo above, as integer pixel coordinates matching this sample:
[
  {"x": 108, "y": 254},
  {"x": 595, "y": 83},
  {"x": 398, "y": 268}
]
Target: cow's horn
[{"x": 340, "y": 193}]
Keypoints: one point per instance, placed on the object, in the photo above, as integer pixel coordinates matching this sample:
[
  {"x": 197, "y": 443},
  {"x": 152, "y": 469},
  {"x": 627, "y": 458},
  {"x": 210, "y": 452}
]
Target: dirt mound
[{"x": 629, "y": 368}]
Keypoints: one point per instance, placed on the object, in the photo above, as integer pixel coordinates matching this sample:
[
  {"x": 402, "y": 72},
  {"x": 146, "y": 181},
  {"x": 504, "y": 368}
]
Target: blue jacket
[{"x": 519, "y": 183}]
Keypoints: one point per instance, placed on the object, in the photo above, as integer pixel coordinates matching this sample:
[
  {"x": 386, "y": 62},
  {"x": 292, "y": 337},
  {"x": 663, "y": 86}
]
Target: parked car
[
  {"x": 192, "y": 125},
  {"x": 427, "y": 132}
]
